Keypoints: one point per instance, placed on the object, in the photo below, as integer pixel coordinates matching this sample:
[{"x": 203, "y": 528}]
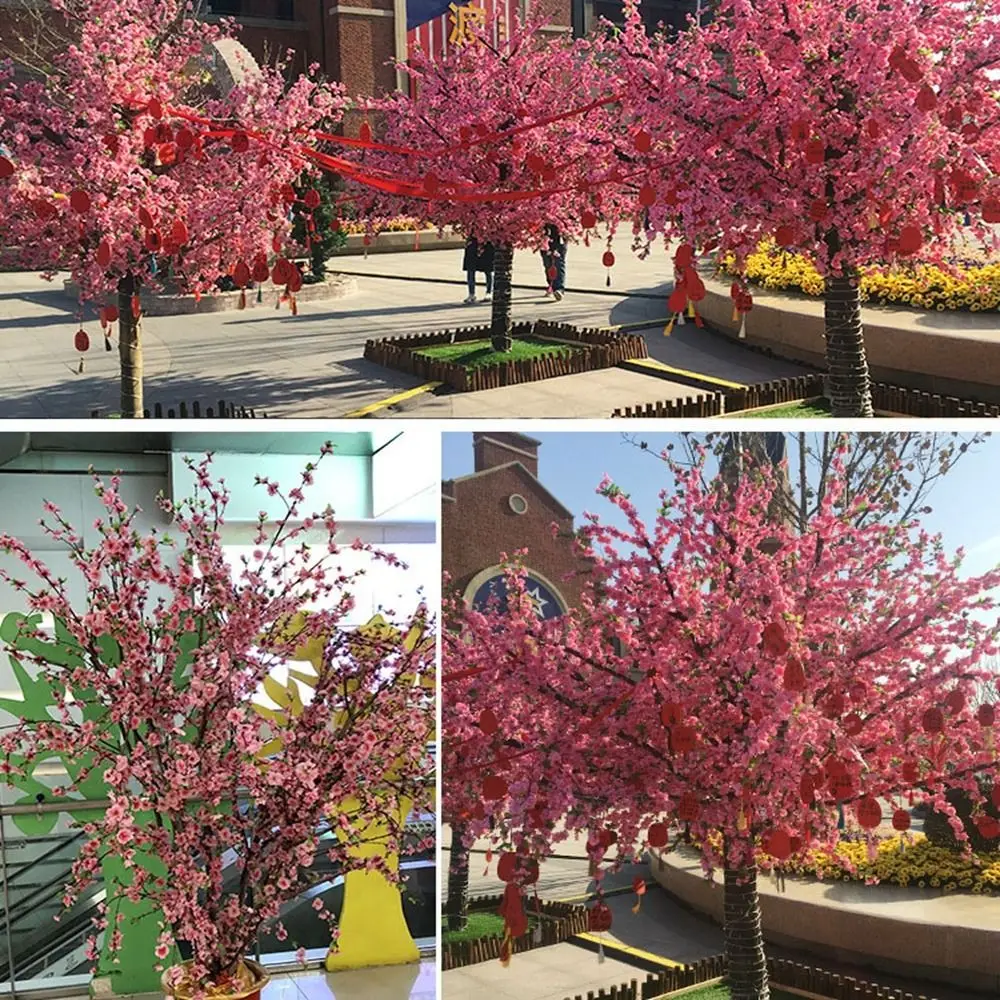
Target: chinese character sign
[
  {"x": 465, "y": 21},
  {"x": 459, "y": 23}
]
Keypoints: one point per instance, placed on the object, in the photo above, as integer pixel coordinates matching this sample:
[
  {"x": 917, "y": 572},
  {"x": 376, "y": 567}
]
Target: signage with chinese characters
[
  {"x": 459, "y": 23},
  {"x": 547, "y": 604},
  {"x": 465, "y": 22}
]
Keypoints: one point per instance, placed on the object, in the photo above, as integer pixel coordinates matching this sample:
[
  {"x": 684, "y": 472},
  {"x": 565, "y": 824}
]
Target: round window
[{"x": 517, "y": 503}]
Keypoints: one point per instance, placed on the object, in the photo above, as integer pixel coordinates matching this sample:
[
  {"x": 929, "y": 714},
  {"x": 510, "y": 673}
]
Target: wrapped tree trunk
[
  {"x": 746, "y": 964},
  {"x": 457, "y": 907},
  {"x": 129, "y": 348},
  {"x": 500, "y": 320}
]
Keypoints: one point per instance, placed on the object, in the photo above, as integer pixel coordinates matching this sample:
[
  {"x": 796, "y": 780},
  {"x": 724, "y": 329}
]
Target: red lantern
[
  {"x": 312, "y": 198},
  {"x": 678, "y": 300},
  {"x": 145, "y": 218},
  {"x": 494, "y": 788},
  {"x": 607, "y": 838},
  {"x": 166, "y": 154},
  {"x": 815, "y": 151},
  {"x": 111, "y": 312},
  {"x": 365, "y": 132},
  {"x": 932, "y": 720},
  {"x": 910, "y": 240},
  {"x": 488, "y": 721},
  {"x": 647, "y": 196},
  {"x": 683, "y": 739},
  {"x": 684, "y": 256},
  {"x": 910, "y": 70},
  {"x": 240, "y": 142},
  {"x": 986, "y": 715},
  {"x": 431, "y": 184},
  {"x": 658, "y": 835},
  {"x": 281, "y": 273},
  {"x": 869, "y": 812},
  {"x": 818, "y": 210},
  {"x": 991, "y": 210},
  {"x": 852, "y": 724},
  {"x": 79, "y": 201},
  {"x": 926, "y": 98},
  {"x": 153, "y": 240},
  {"x": 506, "y": 866},
  {"x": 774, "y": 639},
  {"x": 688, "y": 808},
  {"x": 608, "y": 259},
  {"x": 955, "y": 701},
  {"x": 260, "y": 270},
  {"x": 696, "y": 288},
  {"x": 643, "y": 141},
  {"x": 45, "y": 210},
  {"x": 81, "y": 341},
  {"x": 911, "y": 772},
  {"x": 241, "y": 274},
  {"x": 184, "y": 138},
  {"x": 294, "y": 282},
  {"x": 995, "y": 794},
  {"x": 588, "y": 220},
  {"x": 799, "y": 130},
  {"x": 599, "y": 917},
  {"x": 795, "y": 676},
  {"x": 103, "y": 253},
  {"x": 833, "y": 705},
  {"x": 807, "y": 789},
  {"x": 6, "y": 168},
  {"x": 671, "y": 712},
  {"x": 873, "y": 128},
  {"x": 778, "y": 844},
  {"x": 901, "y": 820},
  {"x": 785, "y": 236},
  {"x": 534, "y": 163},
  {"x": 989, "y": 828},
  {"x": 179, "y": 232}
]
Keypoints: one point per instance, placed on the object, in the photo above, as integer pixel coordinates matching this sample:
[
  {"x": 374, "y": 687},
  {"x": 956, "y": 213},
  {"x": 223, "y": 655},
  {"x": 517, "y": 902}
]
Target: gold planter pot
[{"x": 251, "y": 979}]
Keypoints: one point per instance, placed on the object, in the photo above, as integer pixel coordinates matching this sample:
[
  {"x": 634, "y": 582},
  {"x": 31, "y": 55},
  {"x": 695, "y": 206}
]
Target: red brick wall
[
  {"x": 492, "y": 449},
  {"x": 478, "y": 525}
]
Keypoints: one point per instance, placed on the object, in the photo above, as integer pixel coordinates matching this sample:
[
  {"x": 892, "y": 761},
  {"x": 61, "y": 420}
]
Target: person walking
[
  {"x": 478, "y": 257},
  {"x": 554, "y": 260}
]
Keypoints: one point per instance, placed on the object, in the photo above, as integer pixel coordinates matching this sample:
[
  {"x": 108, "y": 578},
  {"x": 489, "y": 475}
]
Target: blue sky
[{"x": 572, "y": 464}]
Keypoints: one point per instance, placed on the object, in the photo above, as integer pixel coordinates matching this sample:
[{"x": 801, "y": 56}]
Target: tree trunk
[
  {"x": 500, "y": 321},
  {"x": 457, "y": 907},
  {"x": 129, "y": 349},
  {"x": 746, "y": 964},
  {"x": 847, "y": 366}
]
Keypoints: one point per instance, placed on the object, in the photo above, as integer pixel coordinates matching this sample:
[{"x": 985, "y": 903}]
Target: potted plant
[{"x": 199, "y": 802}]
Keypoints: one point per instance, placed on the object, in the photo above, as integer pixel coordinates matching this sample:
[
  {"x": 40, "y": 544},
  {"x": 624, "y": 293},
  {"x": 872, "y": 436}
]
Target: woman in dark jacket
[{"x": 478, "y": 257}]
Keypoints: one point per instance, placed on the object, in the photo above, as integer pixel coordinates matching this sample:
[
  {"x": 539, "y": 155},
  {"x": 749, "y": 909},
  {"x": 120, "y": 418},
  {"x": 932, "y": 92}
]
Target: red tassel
[
  {"x": 609, "y": 279},
  {"x": 242, "y": 304},
  {"x": 136, "y": 307},
  {"x": 295, "y": 308},
  {"x": 107, "y": 343}
]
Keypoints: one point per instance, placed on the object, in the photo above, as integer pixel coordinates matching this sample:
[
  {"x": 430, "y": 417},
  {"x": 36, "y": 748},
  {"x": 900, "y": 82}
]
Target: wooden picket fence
[
  {"x": 888, "y": 400},
  {"x": 558, "y": 922},
  {"x": 194, "y": 411},
  {"x": 794, "y": 977},
  {"x": 586, "y": 350}
]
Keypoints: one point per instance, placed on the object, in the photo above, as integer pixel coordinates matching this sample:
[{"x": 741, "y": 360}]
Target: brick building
[{"x": 503, "y": 507}]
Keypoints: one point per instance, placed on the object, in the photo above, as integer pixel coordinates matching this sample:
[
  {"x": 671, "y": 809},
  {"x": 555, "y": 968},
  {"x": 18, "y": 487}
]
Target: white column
[{"x": 399, "y": 8}]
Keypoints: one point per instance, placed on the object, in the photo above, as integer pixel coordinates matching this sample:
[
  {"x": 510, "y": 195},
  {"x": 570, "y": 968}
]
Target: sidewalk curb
[{"x": 623, "y": 953}]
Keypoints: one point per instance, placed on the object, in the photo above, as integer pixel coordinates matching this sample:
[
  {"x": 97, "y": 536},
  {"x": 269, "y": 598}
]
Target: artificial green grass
[
  {"x": 801, "y": 410},
  {"x": 480, "y": 353},
  {"x": 482, "y": 923},
  {"x": 721, "y": 992}
]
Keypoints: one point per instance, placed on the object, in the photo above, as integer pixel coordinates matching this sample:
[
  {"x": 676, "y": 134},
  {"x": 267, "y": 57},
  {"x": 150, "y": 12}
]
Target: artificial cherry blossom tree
[
  {"x": 738, "y": 679},
  {"x": 503, "y": 139},
  {"x": 148, "y": 695},
  {"x": 853, "y": 134},
  {"x": 125, "y": 166}
]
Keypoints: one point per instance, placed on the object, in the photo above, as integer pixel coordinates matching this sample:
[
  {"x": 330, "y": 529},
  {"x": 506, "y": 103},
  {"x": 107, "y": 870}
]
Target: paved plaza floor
[{"x": 311, "y": 365}]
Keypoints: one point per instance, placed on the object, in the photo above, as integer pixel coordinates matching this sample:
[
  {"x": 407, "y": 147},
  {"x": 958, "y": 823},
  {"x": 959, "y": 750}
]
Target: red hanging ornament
[
  {"x": 910, "y": 240},
  {"x": 773, "y": 638},
  {"x": 955, "y": 701},
  {"x": 240, "y": 142},
  {"x": 365, "y": 132},
  {"x": 494, "y": 788},
  {"x": 869, "y": 812},
  {"x": 154, "y": 109},
  {"x": 833, "y": 705},
  {"x": 608, "y": 259},
  {"x": 103, "y": 254},
  {"x": 671, "y": 712},
  {"x": 507, "y": 866},
  {"x": 136, "y": 307},
  {"x": 241, "y": 274},
  {"x": 112, "y": 313},
  {"x": 683, "y": 739},
  {"x": 688, "y": 808},
  {"x": 678, "y": 300},
  {"x": 932, "y": 720},
  {"x": 799, "y": 130},
  {"x": 778, "y": 844},
  {"x": 281, "y": 272},
  {"x": 588, "y": 219},
  {"x": 488, "y": 722},
  {"x": 986, "y": 715},
  {"x": 79, "y": 201},
  {"x": 995, "y": 794},
  {"x": 815, "y": 152},
  {"x": 910, "y": 772},
  {"x": 639, "y": 888},
  {"x": 45, "y": 210},
  {"x": 294, "y": 284},
  {"x": 643, "y": 141},
  {"x": 684, "y": 257},
  {"x": 852, "y": 724},
  {"x": 184, "y": 138},
  {"x": 6, "y": 168},
  {"x": 647, "y": 196},
  {"x": 873, "y": 129},
  {"x": 901, "y": 820},
  {"x": 260, "y": 271},
  {"x": 81, "y": 341},
  {"x": 599, "y": 917},
  {"x": 926, "y": 98},
  {"x": 785, "y": 236},
  {"x": 166, "y": 154},
  {"x": 794, "y": 678},
  {"x": 658, "y": 835},
  {"x": 312, "y": 198},
  {"x": 807, "y": 789},
  {"x": 145, "y": 218},
  {"x": 179, "y": 232},
  {"x": 153, "y": 241}
]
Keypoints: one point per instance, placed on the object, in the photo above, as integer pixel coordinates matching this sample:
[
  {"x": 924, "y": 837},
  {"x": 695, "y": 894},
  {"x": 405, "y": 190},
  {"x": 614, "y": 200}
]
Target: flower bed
[
  {"x": 587, "y": 350},
  {"x": 968, "y": 285},
  {"x": 558, "y": 922},
  {"x": 909, "y": 861}
]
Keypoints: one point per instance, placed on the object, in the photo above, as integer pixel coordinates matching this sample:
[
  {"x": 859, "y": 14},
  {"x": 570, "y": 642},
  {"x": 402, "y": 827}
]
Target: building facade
[{"x": 502, "y": 508}]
